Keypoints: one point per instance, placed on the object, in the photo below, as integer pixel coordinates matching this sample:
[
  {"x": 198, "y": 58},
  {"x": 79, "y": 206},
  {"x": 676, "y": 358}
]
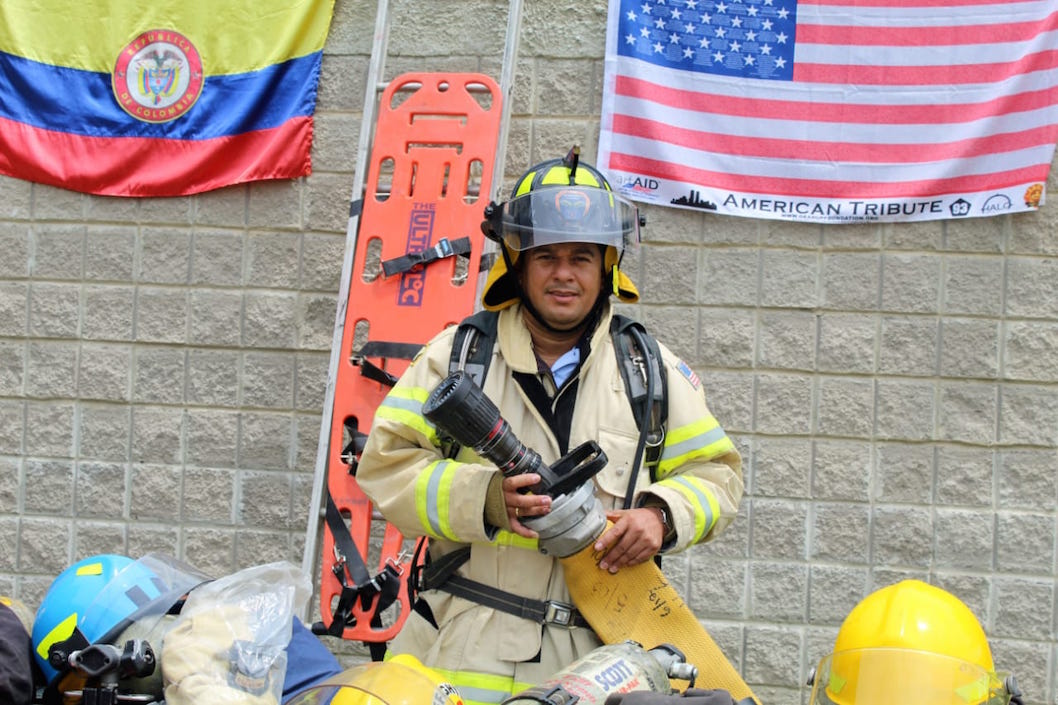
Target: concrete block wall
[{"x": 163, "y": 366}]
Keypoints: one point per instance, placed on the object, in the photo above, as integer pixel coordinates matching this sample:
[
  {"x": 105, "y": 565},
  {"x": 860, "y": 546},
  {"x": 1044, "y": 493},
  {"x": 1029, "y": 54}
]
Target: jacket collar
[{"x": 516, "y": 344}]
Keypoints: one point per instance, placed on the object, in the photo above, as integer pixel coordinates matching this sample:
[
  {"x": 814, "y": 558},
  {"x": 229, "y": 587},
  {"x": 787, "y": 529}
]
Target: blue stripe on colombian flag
[{"x": 40, "y": 95}]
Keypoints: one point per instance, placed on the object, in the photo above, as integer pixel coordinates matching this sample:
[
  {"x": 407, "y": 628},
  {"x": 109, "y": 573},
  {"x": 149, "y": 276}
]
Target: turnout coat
[{"x": 488, "y": 654}]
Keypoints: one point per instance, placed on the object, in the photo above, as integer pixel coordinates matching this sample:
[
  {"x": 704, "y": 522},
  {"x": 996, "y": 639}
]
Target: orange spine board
[{"x": 428, "y": 178}]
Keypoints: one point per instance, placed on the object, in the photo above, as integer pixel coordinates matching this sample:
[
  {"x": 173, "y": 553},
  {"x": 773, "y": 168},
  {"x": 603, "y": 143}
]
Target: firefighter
[{"x": 554, "y": 375}]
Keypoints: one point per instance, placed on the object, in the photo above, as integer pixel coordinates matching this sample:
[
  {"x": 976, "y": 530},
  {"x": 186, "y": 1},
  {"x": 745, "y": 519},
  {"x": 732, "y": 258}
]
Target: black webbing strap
[
  {"x": 440, "y": 574},
  {"x": 443, "y": 248},
  {"x": 357, "y": 440},
  {"x": 404, "y": 351},
  {"x": 643, "y": 373},
  {"x": 375, "y": 593}
]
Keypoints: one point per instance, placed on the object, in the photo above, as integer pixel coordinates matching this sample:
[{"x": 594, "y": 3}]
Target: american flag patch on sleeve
[{"x": 689, "y": 374}]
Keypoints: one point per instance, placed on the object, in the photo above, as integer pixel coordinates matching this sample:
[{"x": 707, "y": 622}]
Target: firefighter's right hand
[{"x": 524, "y": 506}]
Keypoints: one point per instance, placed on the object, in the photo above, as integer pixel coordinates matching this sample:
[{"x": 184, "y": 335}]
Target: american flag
[{"x": 832, "y": 111}]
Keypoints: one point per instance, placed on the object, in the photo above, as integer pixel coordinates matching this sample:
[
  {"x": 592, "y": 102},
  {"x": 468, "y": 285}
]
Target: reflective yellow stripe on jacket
[
  {"x": 697, "y": 492},
  {"x": 433, "y": 498},
  {"x": 482, "y": 688},
  {"x": 404, "y": 406},
  {"x": 702, "y": 440}
]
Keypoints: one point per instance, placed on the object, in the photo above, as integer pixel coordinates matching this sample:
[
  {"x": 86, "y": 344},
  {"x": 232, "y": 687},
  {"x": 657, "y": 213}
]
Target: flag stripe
[
  {"x": 898, "y": 99},
  {"x": 130, "y": 166},
  {"x": 950, "y": 75},
  {"x": 1023, "y": 109},
  {"x": 824, "y": 170},
  {"x": 82, "y": 102},
  {"x": 838, "y": 187},
  {"x": 926, "y": 10},
  {"x": 257, "y": 34},
  {"x": 884, "y": 153},
  {"x": 923, "y": 37}
]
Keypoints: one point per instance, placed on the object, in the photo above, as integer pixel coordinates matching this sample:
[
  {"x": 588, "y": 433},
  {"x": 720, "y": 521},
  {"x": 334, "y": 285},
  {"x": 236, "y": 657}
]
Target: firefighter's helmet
[
  {"x": 558, "y": 201},
  {"x": 106, "y": 599},
  {"x": 914, "y": 644}
]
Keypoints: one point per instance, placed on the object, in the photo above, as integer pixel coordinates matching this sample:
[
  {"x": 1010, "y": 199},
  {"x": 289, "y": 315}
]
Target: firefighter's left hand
[{"x": 635, "y": 537}]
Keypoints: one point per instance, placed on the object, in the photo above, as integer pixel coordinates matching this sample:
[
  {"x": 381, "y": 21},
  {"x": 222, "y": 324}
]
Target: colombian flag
[{"x": 122, "y": 98}]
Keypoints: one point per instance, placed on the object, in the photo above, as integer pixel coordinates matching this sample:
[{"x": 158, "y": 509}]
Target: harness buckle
[{"x": 559, "y": 613}]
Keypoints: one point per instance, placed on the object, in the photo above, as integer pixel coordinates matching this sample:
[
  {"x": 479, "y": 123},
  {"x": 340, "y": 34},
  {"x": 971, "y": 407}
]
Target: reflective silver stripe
[
  {"x": 694, "y": 443},
  {"x": 433, "y": 493},
  {"x": 405, "y": 403},
  {"x": 703, "y": 502}
]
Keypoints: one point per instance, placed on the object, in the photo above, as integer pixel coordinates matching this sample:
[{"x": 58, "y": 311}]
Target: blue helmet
[{"x": 96, "y": 599}]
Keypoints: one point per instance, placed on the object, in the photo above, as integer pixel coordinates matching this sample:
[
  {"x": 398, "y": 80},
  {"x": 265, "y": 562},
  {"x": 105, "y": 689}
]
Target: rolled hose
[{"x": 638, "y": 603}]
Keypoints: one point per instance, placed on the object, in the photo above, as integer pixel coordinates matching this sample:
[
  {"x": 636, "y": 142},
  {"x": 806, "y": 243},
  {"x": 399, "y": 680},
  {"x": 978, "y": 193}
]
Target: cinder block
[
  {"x": 156, "y": 492},
  {"x": 209, "y": 495},
  {"x": 212, "y": 437},
  {"x": 161, "y": 315},
  {"x": 911, "y": 283},
  {"x": 842, "y": 470},
  {"x": 58, "y": 251},
  {"x": 839, "y": 533},
  {"x": 54, "y": 310},
  {"x": 847, "y": 343},
  {"x": 217, "y": 257},
  {"x": 779, "y": 530},
  {"x": 851, "y": 281},
  {"x": 103, "y": 432},
  {"x": 789, "y": 279},
  {"x": 108, "y": 313},
  {"x": 165, "y": 256},
  {"x": 110, "y": 253},
  {"x": 845, "y": 407},
  {"x": 215, "y": 317},
  {"x": 104, "y": 372},
  {"x": 787, "y": 340}
]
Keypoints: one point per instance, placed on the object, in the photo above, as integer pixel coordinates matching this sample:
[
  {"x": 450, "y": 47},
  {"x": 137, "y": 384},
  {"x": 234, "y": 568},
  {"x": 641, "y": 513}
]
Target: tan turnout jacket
[{"x": 402, "y": 469}]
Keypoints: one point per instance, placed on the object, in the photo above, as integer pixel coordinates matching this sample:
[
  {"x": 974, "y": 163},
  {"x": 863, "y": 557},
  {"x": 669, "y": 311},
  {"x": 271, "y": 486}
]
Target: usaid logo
[
  {"x": 639, "y": 183},
  {"x": 997, "y": 203}
]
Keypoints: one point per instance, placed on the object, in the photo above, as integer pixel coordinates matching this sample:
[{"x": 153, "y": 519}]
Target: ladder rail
[{"x": 311, "y": 556}]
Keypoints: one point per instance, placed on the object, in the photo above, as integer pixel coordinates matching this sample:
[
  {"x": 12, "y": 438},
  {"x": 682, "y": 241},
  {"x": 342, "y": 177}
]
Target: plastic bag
[{"x": 227, "y": 647}]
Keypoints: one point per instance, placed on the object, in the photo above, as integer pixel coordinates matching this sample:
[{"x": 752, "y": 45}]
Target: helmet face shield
[
  {"x": 551, "y": 215},
  {"x": 886, "y": 676}
]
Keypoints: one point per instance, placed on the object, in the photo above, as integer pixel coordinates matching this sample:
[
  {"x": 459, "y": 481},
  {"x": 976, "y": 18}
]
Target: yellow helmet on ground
[
  {"x": 400, "y": 680},
  {"x": 914, "y": 644},
  {"x": 557, "y": 201}
]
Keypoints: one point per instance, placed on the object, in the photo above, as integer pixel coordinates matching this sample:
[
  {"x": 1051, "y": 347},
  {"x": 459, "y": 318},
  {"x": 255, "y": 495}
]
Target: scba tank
[{"x": 614, "y": 668}]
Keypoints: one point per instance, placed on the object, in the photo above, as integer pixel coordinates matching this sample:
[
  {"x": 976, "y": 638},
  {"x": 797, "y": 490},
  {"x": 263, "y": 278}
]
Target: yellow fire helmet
[
  {"x": 914, "y": 644},
  {"x": 400, "y": 680},
  {"x": 557, "y": 201}
]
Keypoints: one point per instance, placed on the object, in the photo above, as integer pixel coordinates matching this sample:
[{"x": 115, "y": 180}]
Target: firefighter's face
[{"x": 562, "y": 281}]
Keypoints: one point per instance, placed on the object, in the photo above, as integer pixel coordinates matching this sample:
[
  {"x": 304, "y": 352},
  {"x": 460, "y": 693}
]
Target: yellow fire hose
[{"x": 638, "y": 603}]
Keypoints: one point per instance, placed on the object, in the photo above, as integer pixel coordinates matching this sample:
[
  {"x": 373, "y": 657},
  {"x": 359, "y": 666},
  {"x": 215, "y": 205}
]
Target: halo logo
[
  {"x": 997, "y": 203},
  {"x": 158, "y": 76}
]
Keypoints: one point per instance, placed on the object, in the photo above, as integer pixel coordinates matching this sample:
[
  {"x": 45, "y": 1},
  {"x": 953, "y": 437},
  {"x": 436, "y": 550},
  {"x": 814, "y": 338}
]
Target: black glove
[{"x": 692, "y": 696}]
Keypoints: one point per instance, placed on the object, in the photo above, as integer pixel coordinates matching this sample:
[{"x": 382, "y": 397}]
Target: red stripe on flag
[
  {"x": 842, "y": 35},
  {"x": 952, "y": 5},
  {"x": 146, "y": 167},
  {"x": 950, "y": 75},
  {"x": 833, "y": 151},
  {"x": 809, "y": 188},
  {"x": 863, "y": 113}
]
